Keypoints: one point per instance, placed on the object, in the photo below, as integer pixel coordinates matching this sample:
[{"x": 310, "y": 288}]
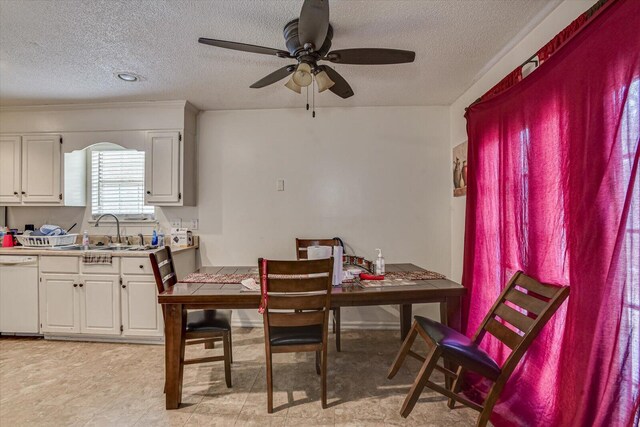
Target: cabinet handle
[
  {"x": 141, "y": 266},
  {"x": 81, "y": 285},
  {"x": 124, "y": 286},
  {"x": 75, "y": 285},
  {"x": 148, "y": 192},
  {"x": 24, "y": 193},
  {"x": 15, "y": 193}
]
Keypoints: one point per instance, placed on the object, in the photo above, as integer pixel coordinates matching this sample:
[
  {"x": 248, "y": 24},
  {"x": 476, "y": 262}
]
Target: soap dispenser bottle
[
  {"x": 379, "y": 264},
  {"x": 154, "y": 238},
  {"x": 85, "y": 240}
]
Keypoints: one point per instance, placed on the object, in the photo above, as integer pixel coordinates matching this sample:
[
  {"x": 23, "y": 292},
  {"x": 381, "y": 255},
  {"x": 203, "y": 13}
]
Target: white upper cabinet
[
  {"x": 41, "y": 169},
  {"x": 10, "y": 153},
  {"x": 31, "y": 173},
  {"x": 162, "y": 168}
]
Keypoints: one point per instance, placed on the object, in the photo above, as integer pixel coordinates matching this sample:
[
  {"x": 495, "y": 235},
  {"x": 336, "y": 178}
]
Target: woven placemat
[
  {"x": 237, "y": 278},
  {"x": 218, "y": 278}
]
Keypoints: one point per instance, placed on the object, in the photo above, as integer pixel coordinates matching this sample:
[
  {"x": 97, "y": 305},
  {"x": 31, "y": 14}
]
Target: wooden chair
[
  {"x": 296, "y": 313},
  {"x": 202, "y": 326},
  {"x": 525, "y": 304},
  {"x": 301, "y": 253}
]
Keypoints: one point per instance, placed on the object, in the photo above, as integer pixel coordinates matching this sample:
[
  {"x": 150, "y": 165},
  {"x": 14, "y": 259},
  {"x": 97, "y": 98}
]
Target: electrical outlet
[
  {"x": 176, "y": 223},
  {"x": 194, "y": 224},
  {"x": 280, "y": 185}
]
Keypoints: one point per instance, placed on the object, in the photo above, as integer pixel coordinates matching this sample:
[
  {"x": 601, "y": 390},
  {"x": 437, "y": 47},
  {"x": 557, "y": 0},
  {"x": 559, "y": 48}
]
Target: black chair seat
[
  {"x": 295, "y": 335},
  {"x": 208, "y": 320},
  {"x": 460, "y": 347}
]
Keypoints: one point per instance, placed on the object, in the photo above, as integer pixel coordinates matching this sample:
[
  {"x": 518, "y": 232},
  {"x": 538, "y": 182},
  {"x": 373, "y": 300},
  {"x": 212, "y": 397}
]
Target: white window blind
[{"x": 117, "y": 184}]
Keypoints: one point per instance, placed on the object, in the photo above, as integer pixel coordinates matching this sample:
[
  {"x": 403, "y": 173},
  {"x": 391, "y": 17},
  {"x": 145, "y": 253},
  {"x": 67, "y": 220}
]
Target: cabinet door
[
  {"x": 10, "y": 169},
  {"x": 141, "y": 313},
  {"x": 162, "y": 168},
  {"x": 59, "y": 303},
  {"x": 41, "y": 169},
  {"x": 100, "y": 304}
]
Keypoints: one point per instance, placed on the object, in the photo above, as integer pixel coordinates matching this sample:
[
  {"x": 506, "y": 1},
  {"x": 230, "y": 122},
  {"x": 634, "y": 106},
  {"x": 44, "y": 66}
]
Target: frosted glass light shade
[
  {"x": 324, "y": 81},
  {"x": 293, "y": 86},
  {"x": 302, "y": 76}
]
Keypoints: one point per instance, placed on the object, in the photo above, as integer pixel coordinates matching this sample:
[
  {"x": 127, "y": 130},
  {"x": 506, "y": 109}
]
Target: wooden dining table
[{"x": 192, "y": 296}]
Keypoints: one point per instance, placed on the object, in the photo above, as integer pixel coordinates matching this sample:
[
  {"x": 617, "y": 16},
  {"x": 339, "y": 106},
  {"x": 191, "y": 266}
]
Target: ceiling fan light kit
[
  {"x": 293, "y": 86},
  {"x": 308, "y": 40},
  {"x": 302, "y": 75},
  {"x": 324, "y": 81}
]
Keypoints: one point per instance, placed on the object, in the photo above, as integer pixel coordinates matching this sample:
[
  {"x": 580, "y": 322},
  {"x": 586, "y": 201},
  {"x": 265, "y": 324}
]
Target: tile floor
[{"x": 60, "y": 383}]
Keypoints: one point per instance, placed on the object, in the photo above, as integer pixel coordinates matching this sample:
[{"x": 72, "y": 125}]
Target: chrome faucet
[
  {"x": 117, "y": 224},
  {"x": 141, "y": 239}
]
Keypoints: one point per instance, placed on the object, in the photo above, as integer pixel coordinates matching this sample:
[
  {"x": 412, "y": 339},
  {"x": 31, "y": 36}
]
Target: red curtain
[{"x": 553, "y": 190}]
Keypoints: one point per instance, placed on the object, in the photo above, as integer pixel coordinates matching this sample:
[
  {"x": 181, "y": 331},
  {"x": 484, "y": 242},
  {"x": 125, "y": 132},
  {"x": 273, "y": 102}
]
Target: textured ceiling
[{"x": 68, "y": 51}]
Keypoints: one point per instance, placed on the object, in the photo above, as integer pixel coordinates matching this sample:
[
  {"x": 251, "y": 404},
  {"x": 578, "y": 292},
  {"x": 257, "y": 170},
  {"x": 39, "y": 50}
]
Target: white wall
[
  {"x": 377, "y": 177},
  {"x": 555, "y": 22}
]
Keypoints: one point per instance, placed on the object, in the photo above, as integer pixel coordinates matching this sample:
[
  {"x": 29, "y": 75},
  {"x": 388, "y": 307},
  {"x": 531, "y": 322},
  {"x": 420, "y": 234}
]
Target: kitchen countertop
[{"x": 62, "y": 252}]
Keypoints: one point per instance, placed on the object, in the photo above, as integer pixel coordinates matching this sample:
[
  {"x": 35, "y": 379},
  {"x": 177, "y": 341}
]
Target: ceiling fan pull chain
[
  {"x": 307, "y": 98},
  {"x": 313, "y": 99}
]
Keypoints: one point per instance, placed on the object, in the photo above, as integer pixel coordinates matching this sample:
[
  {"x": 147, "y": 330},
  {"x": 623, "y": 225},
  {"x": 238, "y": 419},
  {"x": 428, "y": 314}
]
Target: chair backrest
[
  {"x": 298, "y": 293},
  {"x": 303, "y": 244},
  {"x": 163, "y": 269},
  {"x": 526, "y": 305}
]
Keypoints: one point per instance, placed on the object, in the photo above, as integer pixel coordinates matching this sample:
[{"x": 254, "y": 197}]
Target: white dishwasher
[{"x": 19, "y": 295}]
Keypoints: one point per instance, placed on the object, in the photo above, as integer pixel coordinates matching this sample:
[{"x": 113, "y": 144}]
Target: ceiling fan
[{"x": 308, "y": 40}]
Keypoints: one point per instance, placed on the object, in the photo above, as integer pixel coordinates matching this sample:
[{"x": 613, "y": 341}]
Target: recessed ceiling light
[{"x": 128, "y": 77}]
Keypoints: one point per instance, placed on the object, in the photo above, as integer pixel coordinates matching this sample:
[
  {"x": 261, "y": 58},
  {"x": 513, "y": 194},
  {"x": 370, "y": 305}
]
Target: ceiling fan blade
[
  {"x": 314, "y": 22},
  {"x": 244, "y": 47},
  {"x": 370, "y": 56},
  {"x": 274, "y": 77},
  {"x": 341, "y": 87}
]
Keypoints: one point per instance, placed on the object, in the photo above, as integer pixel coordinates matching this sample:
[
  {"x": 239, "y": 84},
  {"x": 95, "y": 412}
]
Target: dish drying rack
[{"x": 47, "y": 241}]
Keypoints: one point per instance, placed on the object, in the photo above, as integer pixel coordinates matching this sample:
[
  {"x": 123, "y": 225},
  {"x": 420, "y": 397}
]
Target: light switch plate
[
  {"x": 194, "y": 224},
  {"x": 280, "y": 185},
  {"x": 176, "y": 223}
]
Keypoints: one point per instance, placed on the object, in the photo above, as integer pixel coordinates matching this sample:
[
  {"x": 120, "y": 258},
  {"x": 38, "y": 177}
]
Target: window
[{"x": 117, "y": 184}]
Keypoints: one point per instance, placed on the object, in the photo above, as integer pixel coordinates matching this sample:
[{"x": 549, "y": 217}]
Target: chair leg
[
  {"x": 210, "y": 345},
  {"x": 318, "y": 371},
  {"x": 402, "y": 354},
  {"x": 230, "y": 347},
  {"x": 324, "y": 378},
  {"x": 490, "y": 401},
  {"x": 457, "y": 384},
  {"x": 336, "y": 327},
  {"x": 227, "y": 358},
  {"x": 421, "y": 380},
  {"x": 269, "y": 385}
]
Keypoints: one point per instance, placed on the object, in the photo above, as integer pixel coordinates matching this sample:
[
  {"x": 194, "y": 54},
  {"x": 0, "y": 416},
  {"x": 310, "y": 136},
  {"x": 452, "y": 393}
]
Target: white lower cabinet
[
  {"x": 99, "y": 304},
  {"x": 141, "y": 313},
  {"x": 86, "y": 304},
  {"x": 59, "y": 303},
  {"x": 105, "y": 300}
]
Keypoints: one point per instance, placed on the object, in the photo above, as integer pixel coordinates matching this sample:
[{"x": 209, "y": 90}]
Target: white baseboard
[{"x": 95, "y": 338}]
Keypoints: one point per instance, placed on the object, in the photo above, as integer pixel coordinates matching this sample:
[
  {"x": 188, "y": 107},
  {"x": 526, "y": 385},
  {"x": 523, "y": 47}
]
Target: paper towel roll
[{"x": 319, "y": 252}]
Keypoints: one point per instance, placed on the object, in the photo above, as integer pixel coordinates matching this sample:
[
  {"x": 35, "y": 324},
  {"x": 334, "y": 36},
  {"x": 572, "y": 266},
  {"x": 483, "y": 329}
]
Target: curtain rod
[{"x": 588, "y": 14}]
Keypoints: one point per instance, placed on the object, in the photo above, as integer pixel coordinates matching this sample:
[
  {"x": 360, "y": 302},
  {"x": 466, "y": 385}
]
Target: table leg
[
  {"x": 405, "y": 320},
  {"x": 454, "y": 313},
  {"x": 174, "y": 353}
]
